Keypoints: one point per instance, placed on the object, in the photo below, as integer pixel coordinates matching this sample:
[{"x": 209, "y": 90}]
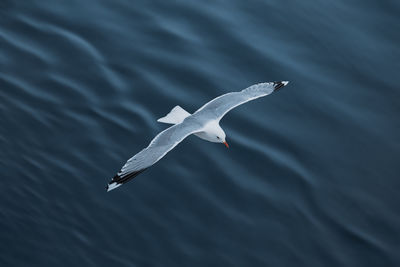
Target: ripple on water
[{"x": 311, "y": 175}]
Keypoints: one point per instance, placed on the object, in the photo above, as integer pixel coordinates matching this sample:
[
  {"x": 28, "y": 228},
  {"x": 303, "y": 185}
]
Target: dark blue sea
[{"x": 312, "y": 175}]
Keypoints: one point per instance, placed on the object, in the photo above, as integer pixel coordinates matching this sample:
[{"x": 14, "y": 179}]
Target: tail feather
[{"x": 175, "y": 116}]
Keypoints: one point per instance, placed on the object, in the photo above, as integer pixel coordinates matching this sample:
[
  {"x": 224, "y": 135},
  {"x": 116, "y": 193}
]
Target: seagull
[{"x": 203, "y": 123}]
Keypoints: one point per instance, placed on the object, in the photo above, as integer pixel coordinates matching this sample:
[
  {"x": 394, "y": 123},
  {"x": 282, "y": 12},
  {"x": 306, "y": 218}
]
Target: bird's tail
[{"x": 175, "y": 116}]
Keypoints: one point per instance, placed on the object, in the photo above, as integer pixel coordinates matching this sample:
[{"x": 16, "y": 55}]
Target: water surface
[{"x": 311, "y": 177}]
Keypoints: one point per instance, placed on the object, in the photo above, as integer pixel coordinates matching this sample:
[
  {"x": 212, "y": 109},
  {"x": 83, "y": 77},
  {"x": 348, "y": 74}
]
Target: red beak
[{"x": 226, "y": 144}]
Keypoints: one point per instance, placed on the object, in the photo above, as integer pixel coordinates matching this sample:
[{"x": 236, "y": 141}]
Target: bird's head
[{"x": 220, "y": 136}]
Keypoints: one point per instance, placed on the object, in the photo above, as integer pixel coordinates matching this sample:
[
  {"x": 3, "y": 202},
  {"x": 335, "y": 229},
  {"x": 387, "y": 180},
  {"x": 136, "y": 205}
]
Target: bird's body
[
  {"x": 203, "y": 123},
  {"x": 209, "y": 130}
]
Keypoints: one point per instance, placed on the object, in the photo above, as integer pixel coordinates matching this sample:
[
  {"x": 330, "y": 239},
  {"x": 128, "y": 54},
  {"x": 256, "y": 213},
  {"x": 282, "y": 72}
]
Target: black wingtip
[
  {"x": 118, "y": 179},
  {"x": 279, "y": 85}
]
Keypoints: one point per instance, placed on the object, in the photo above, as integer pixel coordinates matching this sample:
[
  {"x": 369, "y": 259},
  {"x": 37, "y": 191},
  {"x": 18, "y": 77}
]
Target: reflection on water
[{"x": 310, "y": 179}]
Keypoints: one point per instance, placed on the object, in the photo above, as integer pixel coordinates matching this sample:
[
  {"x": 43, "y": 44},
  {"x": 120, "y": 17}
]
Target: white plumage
[{"x": 204, "y": 123}]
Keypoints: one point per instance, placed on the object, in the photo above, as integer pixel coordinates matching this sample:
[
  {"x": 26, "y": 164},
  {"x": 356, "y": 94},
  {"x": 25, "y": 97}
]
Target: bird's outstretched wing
[
  {"x": 218, "y": 107},
  {"x": 159, "y": 146}
]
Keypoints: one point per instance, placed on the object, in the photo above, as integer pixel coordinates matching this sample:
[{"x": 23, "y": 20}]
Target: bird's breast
[{"x": 204, "y": 136}]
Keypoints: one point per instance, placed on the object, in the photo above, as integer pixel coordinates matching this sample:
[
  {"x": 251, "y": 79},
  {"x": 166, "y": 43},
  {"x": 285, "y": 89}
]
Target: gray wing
[
  {"x": 218, "y": 107},
  {"x": 159, "y": 146}
]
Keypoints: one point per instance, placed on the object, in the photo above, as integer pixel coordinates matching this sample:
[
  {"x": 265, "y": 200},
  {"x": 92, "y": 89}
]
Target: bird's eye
[{"x": 218, "y": 137}]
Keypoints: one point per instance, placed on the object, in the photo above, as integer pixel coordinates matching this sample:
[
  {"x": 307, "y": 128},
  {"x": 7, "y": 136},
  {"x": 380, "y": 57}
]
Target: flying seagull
[{"x": 204, "y": 123}]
